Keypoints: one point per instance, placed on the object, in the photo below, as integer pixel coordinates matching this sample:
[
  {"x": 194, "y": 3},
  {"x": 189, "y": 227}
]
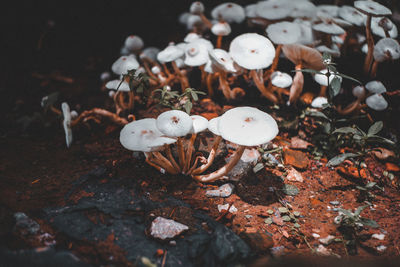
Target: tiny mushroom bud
[
  {"x": 133, "y": 43},
  {"x": 220, "y": 29},
  {"x": 359, "y": 91},
  {"x": 376, "y": 102},
  {"x": 197, "y": 8}
]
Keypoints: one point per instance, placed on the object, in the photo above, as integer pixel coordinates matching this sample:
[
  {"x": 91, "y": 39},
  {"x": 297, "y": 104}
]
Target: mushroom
[
  {"x": 220, "y": 29},
  {"x": 122, "y": 88},
  {"x": 67, "y": 123},
  {"x": 326, "y": 30},
  {"x": 319, "y": 102},
  {"x": 197, "y": 8},
  {"x": 359, "y": 92},
  {"x": 229, "y": 12},
  {"x": 301, "y": 56},
  {"x": 303, "y": 9},
  {"x": 190, "y": 37},
  {"x": 325, "y": 80},
  {"x": 371, "y": 9},
  {"x": 327, "y": 11},
  {"x": 254, "y": 52},
  {"x": 125, "y": 63},
  {"x": 133, "y": 44},
  {"x": 385, "y": 49},
  {"x": 274, "y": 10},
  {"x": 246, "y": 127},
  {"x": 279, "y": 81},
  {"x": 376, "y": 102},
  {"x": 383, "y": 27}
]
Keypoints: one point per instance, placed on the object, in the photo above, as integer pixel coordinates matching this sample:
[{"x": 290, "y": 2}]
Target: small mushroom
[
  {"x": 133, "y": 44},
  {"x": 385, "y": 49},
  {"x": 325, "y": 80},
  {"x": 274, "y": 10},
  {"x": 319, "y": 102},
  {"x": 197, "y": 8},
  {"x": 125, "y": 63},
  {"x": 220, "y": 29},
  {"x": 229, "y": 12},
  {"x": 67, "y": 123},
  {"x": 383, "y": 27},
  {"x": 376, "y": 102}
]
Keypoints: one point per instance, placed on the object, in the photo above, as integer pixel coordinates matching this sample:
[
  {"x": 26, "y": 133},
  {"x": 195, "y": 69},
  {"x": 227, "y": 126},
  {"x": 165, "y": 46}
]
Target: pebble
[
  {"x": 294, "y": 176},
  {"x": 315, "y": 235},
  {"x": 381, "y": 248},
  {"x": 327, "y": 240},
  {"x": 250, "y": 156},
  {"x": 26, "y": 225},
  {"x": 321, "y": 250},
  {"x": 165, "y": 229},
  {"x": 378, "y": 236},
  {"x": 223, "y": 191},
  {"x": 232, "y": 209},
  {"x": 334, "y": 203}
]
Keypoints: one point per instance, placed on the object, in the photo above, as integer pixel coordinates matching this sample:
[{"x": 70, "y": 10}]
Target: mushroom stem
[
  {"x": 210, "y": 80},
  {"x": 149, "y": 161},
  {"x": 350, "y": 108},
  {"x": 181, "y": 153},
  {"x": 165, "y": 163},
  {"x": 182, "y": 78},
  {"x": 189, "y": 172},
  {"x": 226, "y": 89},
  {"x": 223, "y": 170},
  {"x": 131, "y": 101},
  {"x": 370, "y": 42},
  {"x": 205, "y": 20},
  {"x": 166, "y": 70},
  {"x": 374, "y": 69},
  {"x": 189, "y": 152},
  {"x": 322, "y": 92},
  {"x": 297, "y": 85},
  {"x": 171, "y": 158},
  {"x": 219, "y": 41},
  {"x": 148, "y": 70},
  {"x": 101, "y": 112},
  {"x": 276, "y": 59},
  {"x": 211, "y": 157},
  {"x": 261, "y": 87}
]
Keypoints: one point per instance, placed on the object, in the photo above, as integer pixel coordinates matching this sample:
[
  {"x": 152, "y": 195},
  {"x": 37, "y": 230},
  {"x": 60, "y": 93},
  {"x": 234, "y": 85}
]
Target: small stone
[
  {"x": 334, "y": 203},
  {"x": 315, "y": 235},
  {"x": 250, "y": 156},
  {"x": 223, "y": 191},
  {"x": 286, "y": 218},
  {"x": 268, "y": 221},
  {"x": 295, "y": 158},
  {"x": 298, "y": 143},
  {"x": 26, "y": 225},
  {"x": 327, "y": 240},
  {"x": 232, "y": 209},
  {"x": 381, "y": 248},
  {"x": 277, "y": 251},
  {"x": 165, "y": 229},
  {"x": 378, "y": 236},
  {"x": 296, "y": 213},
  {"x": 270, "y": 212},
  {"x": 283, "y": 210},
  {"x": 294, "y": 176}
]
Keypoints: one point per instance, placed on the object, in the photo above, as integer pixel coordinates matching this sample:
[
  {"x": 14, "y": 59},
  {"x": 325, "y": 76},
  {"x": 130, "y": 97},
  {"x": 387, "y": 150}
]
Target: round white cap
[
  {"x": 375, "y": 87},
  {"x": 372, "y": 8},
  {"x": 319, "y": 101},
  {"x": 197, "y": 8},
  {"x": 284, "y": 32},
  {"x": 133, "y": 43},
  {"x": 322, "y": 79},
  {"x": 174, "y": 123},
  {"x": 150, "y": 52},
  {"x": 113, "y": 85},
  {"x": 327, "y": 11},
  {"x": 273, "y": 10},
  {"x": 229, "y": 12},
  {"x": 377, "y": 25},
  {"x": 190, "y": 37},
  {"x": 358, "y": 91},
  {"x": 221, "y": 28},
  {"x": 303, "y": 9},
  {"x": 170, "y": 53},
  {"x": 125, "y": 63},
  {"x": 213, "y": 126},
  {"x": 376, "y": 102},
  {"x": 386, "y": 49},
  {"x": 196, "y": 54},
  {"x": 222, "y": 60},
  {"x": 352, "y": 15},
  {"x": 281, "y": 79},
  {"x": 199, "y": 124}
]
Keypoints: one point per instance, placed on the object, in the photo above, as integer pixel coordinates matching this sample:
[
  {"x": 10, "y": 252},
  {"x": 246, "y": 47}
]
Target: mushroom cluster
[{"x": 162, "y": 138}]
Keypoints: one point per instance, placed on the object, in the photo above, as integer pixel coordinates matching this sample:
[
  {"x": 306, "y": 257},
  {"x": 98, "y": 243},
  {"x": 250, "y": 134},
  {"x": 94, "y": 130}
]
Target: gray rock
[
  {"x": 26, "y": 225},
  {"x": 165, "y": 229},
  {"x": 327, "y": 240},
  {"x": 240, "y": 170},
  {"x": 223, "y": 191},
  {"x": 334, "y": 203}
]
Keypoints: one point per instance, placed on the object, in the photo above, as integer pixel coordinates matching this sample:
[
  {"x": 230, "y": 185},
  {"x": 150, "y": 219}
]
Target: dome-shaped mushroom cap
[
  {"x": 199, "y": 124},
  {"x": 284, "y": 32},
  {"x": 352, "y": 15},
  {"x": 213, "y": 126},
  {"x": 281, "y": 79},
  {"x": 376, "y": 102},
  {"x": 134, "y": 43},
  {"x": 303, "y": 9},
  {"x": 358, "y": 91},
  {"x": 306, "y": 33},
  {"x": 125, "y": 63},
  {"x": 306, "y": 56},
  {"x": 375, "y": 87},
  {"x": 194, "y": 21},
  {"x": 377, "y": 29},
  {"x": 273, "y": 10},
  {"x": 221, "y": 29},
  {"x": 170, "y": 53},
  {"x": 327, "y": 11},
  {"x": 323, "y": 80},
  {"x": 247, "y": 126},
  {"x": 150, "y": 52},
  {"x": 329, "y": 28},
  {"x": 372, "y": 8},
  {"x": 204, "y": 42},
  {"x": 174, "y": 123},
  {"x": 252, "y": 51},
  {"x": 139, "y": 135},
  {"x": 319, "y": 102},
  {"x": 197, "y": 8},
  {"x": 222, "y": 60},
  {"x": 190, "y": 37},
  {"x": 386, "y": 49},
  {"x": 113, "y": 85},
  {"x": 196, "y": 54},
  {"x": 251, "y": 10},
  {"x": 229, "y": 12}
]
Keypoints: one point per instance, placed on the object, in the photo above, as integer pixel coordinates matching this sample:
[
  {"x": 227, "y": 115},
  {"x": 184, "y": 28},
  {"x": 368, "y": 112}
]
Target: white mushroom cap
[
  {"x": 199, "y": 124},
  {"x": 170, "y": 53},
  {"x": 195, "y": 54},
  {"x": 306, "y": 33},
  {"x": 222, "y": 60},
  {"x": 204, "y": 42},
  {"x": 180, "y": 63},
  {"x": 125, "y": 63},
  {"x": 337, "y": 40},
  {"x": 133, "y": 43},
  {"x": 273, "y": 10},
  {"x": 221, "y": 28},
  {"x": 303, "y": 9},
  {"x": 174, "y": 123},
  {"x": 181, "y": 46},
  {"x": 67, "y": 123},
  {"x": 197, "y": 8},
  {"x": 113, "y": 85},
  {"x": 376, "y": 102},
  {"x": 281, "y": 79},
  {"x": 247, "y": 126},
  {"x": 208, "y": 67},
  {"x": 213, "y": 126},
  {"x": 156, "y": 70},
  {"x": 251, "y": 10},
  {"x": 150, "y": 52},
  {"x": 358, "y": 91},
  {"x": 284, "y": 32},
  {"x": 372, "y": 8},
  {"x": 377, "y": 25},
  {"x": 194, "y": 21},
  {"x": 386, "y": 49},
  {"x": 183, "y": 18},
  {"x": 364, "y": 48},
  {"x": 229, "y": 12},
  {"x": 327, "y": 11},
  {"x": 375, "y": 87},
  {"x": 352, "y": 15},
  {"x": 140, "y": 135},
  {"x": 190, "y": 37},
  {"x": 105, "y": 76},
  {"x": 329, "y": 28},
  {"x": 319, "y": 101},
  {"x": 322, "y": 79},
  {"x": 252, "y": 51}
]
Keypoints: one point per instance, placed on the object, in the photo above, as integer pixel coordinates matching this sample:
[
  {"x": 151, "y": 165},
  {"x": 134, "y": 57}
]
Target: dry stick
[
  {"x": 370, "y": 42},
  {"x": 168, "y": 165},
  {"x": 189, "y": 152},
  {"x": 211, "y": 157},
  {"x": 182, "y": 78},
  {"x": 261, "y": 87},
  {"x": 224, "y": 170},
  {"x": 100, "y": 112},
  {"x": 171, "y": 158},
  {"x": 196, "y": 161}
]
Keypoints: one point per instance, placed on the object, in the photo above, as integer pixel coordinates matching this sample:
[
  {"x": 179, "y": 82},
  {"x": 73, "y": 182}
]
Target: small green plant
[
  {"x": 138, "y": 81},
  {"x": 174, "y": 100}
]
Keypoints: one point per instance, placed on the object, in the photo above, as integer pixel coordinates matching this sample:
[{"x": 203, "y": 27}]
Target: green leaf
[
  {"x": 359, "y": 210},
  {"x": 340, "y": 158},
  {"x": 290, "y": 190},
  {"x": 309, "y": 71},
  {"x": 375, "y": 128},
  {"x": 348, "y": 77},
  {"x": 346, "y": 213},
  {"x": 335, "y": 86},
  {"x": 376, "y": 138},
  {"x": 345, "y": 130},
  {"x": 188, "y": 107},
  {"x": 194, "y": 96},
  {"x": 318, "y": 114},
  {"x": 369, "y": 223}
]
